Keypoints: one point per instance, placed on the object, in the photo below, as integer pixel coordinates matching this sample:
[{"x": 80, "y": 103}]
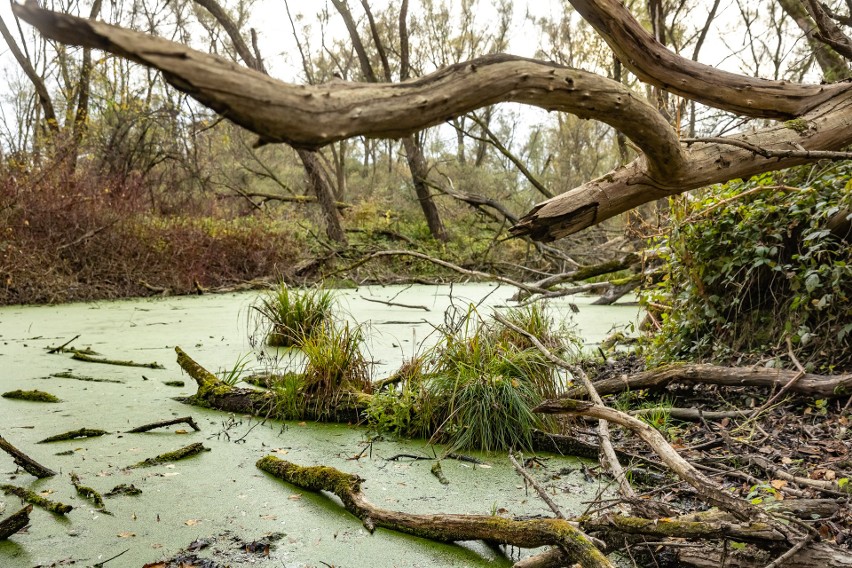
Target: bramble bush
[{"x": 753, "y": 264}]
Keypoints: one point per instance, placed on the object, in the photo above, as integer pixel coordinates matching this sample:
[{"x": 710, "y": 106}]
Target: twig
[
  {"x": 396, "y": 304},
  {"x": 64, "y": 345},
  {"x": 802, "y": 372},
  {"x": 793, "y": 550},
  {"x": 186, "y": 419},
  {"x": 535, "y": 485},
  {"x": 100, "y": 564},
  {"x": 611, "y": 459}
]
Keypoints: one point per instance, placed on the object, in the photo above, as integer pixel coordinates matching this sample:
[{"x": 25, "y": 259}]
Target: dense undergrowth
[
  {"x": 752, "y": 265},
  {"x": 86, "y": 236}
]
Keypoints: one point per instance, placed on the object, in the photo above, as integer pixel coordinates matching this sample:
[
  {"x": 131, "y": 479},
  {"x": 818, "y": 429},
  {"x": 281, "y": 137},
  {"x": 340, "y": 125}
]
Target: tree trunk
[
  {"x": 419, "y": 169},
  {"x": 325, "y": 196}
]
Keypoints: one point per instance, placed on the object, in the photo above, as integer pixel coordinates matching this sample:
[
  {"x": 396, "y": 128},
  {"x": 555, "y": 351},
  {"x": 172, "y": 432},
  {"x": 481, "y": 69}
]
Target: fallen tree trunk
[
  {"x": 809, "y": 384},
  {"x": 214, "y": 393},
  {"x": 444, "y": 528}
]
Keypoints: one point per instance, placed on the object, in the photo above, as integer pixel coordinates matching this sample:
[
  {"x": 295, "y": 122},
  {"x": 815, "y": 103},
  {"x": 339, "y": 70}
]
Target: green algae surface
[{"x": 221, "y": 491}]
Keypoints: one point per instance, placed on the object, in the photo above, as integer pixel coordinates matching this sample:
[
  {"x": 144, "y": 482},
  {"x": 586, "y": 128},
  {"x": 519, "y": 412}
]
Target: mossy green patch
[{"x": 32, "y": 395}]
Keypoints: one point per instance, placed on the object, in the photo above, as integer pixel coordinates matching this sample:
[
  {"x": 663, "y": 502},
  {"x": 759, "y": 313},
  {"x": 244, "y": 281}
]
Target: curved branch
[
  {"x": 793, "y": 143},
  {"x": 656, "y": 65},
  {"x": 310, "y": 116}
]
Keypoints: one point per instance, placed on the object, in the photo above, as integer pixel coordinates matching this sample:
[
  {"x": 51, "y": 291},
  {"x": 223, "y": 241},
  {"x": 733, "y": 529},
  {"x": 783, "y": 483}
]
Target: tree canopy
[{"x": 815, "y": 117}]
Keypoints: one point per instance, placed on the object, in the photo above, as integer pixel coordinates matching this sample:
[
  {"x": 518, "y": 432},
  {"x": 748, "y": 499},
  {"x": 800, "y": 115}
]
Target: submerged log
[
  {"x": 22, "y": 460},
  {"x": 13, "y": 523},
  {"x": 89, "y": 359},
  {"x": 443, "y": 528},
  {"x": 809, "y": 384},
  {"x": 74, "y": 435}
]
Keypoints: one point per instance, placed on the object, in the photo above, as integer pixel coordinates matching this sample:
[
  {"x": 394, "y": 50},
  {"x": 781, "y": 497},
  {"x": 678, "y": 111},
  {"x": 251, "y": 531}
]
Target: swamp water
[{"x": 220, "y": 495}]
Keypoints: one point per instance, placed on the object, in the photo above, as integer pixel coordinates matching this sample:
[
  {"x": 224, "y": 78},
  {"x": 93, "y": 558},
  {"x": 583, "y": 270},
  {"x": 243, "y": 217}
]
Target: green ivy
[{"x": 752, "y": 264}]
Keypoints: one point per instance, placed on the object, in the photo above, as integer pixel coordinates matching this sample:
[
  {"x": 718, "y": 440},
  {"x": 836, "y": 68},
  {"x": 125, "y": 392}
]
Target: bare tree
[{"x": 815, "y": 117}]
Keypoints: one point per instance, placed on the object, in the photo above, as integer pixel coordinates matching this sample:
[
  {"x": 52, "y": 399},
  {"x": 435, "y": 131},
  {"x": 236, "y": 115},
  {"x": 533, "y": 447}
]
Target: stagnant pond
[{"x": 219, "y": 496}]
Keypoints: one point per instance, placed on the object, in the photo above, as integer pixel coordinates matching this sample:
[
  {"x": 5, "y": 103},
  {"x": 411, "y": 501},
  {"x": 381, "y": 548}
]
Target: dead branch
[
  {"x": 442, "y": 528},
  {"x": 708, "y": 489},
  {"x": 24, "y": 461},
  {"x": 185, "y": 420},
  {"x": 74, "y": 435},
  {"x": 814, "y": 385}
]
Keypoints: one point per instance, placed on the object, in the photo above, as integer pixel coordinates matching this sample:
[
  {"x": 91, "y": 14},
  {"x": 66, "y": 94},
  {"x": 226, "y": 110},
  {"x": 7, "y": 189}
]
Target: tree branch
[
  {"x": 310, "y": 116},
  {"x": 656, "y": 65}
]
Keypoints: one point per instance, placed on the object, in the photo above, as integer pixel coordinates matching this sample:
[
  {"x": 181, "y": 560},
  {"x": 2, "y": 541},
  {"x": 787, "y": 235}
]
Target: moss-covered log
[
  {"x": 444, "y": 528},
  {"x": 177, "y": 455},
  {"x": 36, "y": 499},
  {"x": 679, "y": 528},
  {"x": 24, "y": 461},
  {"x": 74, "y": 435},
  {"x": 214, "y": 393},
  {"x": 88, "y": 493},
  {"x": 13, "y": 523},
  {"x": 31, "y": 395}
]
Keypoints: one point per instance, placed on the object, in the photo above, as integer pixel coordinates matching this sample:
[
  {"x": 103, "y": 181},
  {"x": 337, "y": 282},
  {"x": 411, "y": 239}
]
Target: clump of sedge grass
[
  {"x": 293, "y": 316},
  {"x": 335, "y": 364},
  {"x": 485, "y": 379}
]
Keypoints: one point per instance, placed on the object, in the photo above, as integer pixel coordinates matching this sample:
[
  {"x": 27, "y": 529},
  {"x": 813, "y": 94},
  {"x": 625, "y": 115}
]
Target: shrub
[{"x": 752, "y": 264}]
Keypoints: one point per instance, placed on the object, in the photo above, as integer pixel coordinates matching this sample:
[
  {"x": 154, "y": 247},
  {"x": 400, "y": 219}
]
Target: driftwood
[
  {"x": 13, "y": 523},
  {"x": 89, "y": 359},
  {"x": 162, "y": 424},
  {"x": 22, "y": 460},
  {"x": 443, "y": 528},
  {"x": 809, "y": 384}
]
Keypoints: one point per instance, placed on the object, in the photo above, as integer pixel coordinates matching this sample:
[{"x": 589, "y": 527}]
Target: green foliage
[
  {"x": 232, "y": 376},
  {"x": 294, "y": 315},
  {"x": 288, "y": 396},
  {"x": 751, "y": 264}
]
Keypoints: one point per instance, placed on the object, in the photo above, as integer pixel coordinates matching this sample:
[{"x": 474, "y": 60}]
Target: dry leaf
[
  {"x": 302, "y": 424},
  {"x": 830, "y": 475},
  {"x": 192, "y": 522},
  {"x": 269, "y": 517},
  {"x": 778, "y": 483},
  {"x": 181, "y": 432},
  {"x": 126, "y": 534},
  {"x": 295, "y": 497}
]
